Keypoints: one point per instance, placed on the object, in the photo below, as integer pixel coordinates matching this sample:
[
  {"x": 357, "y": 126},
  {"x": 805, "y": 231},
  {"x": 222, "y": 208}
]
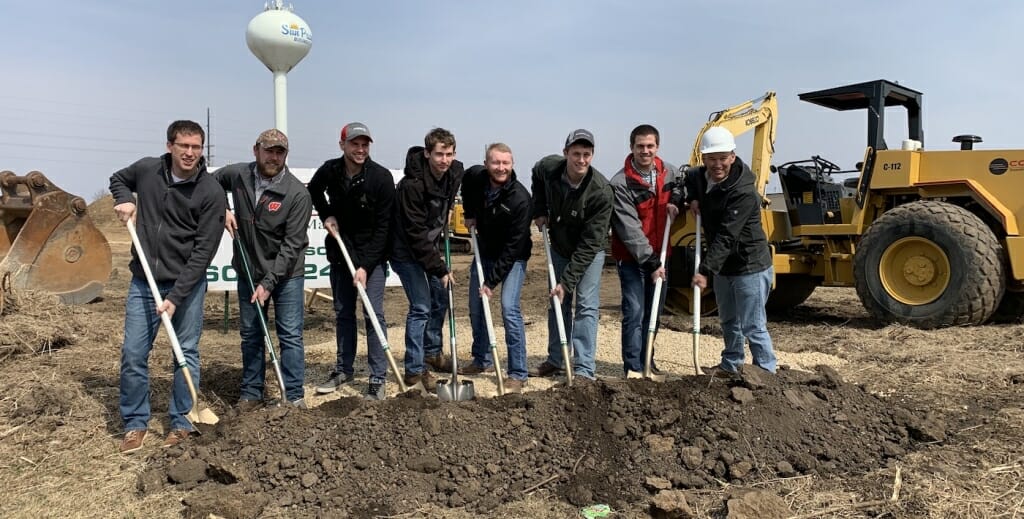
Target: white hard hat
[{"x": 717, "y": 140}]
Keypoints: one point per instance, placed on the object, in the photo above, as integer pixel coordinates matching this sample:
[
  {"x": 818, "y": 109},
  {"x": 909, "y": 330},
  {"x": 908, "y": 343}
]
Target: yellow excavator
[
  {"x": 760, "y": 115},
  {"x": 47, "y": 241}
]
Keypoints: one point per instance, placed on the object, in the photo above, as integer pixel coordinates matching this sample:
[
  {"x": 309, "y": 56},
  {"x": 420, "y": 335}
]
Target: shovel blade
[
  {"x": 203, "y": 416},
  {"x": 634, "y": 374},
  {"x": 450, "y": 392}
]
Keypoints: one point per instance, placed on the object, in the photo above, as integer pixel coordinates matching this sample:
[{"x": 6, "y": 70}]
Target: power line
[
  {"x": 77, "y": 137},
  {"x": 69, "y": 148}
]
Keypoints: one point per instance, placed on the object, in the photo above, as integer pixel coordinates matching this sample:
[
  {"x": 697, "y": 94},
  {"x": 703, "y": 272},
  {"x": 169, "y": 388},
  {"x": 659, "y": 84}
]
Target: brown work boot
[
  {"x": 475, "y": 369},
  {"x": 427, "y": 378},
  {"x": 546, "y": 369},
  {"x": 514, "y": 385},
  {"x": 439, "y": 362},
  {"x": 175, "y": 437},
  {"x": 133, "y": 441},
  {"x": 248, "y": 406}
]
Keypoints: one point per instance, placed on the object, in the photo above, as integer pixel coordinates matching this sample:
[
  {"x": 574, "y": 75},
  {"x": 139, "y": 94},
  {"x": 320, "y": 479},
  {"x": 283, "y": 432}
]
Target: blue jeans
[
  {"x": 637, "y": 295},
  {"x": 581, "y": 329},
  {"x": 141, "y": 325},
  {"x": 345, "y": 296},
  {"x": 741, "y": 301},
  {"x": 289, "y": 316},
  {"x": 428, "y": 302},
  {"x": 511, "y": 316}
]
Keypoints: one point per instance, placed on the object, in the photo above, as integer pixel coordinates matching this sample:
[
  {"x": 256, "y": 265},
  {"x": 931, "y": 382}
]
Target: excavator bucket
[{"x": 47, "y": 241}]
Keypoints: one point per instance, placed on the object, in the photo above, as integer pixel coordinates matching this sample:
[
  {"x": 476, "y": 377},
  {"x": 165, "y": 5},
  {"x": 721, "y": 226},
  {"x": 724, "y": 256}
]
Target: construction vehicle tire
[
  {"x": 790, "y": 291},
  {"x": 929, "y": 264},
  {"x": 1010, "y": 309}
]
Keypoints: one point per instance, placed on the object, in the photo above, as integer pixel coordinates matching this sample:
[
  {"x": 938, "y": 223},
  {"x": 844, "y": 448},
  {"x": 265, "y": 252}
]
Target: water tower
[{"x": 280, "y": 39}]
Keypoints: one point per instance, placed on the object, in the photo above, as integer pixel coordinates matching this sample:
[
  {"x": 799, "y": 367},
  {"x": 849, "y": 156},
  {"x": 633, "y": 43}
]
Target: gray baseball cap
[
  {"x": 353, "y": 130},
  {"x": 579, "y": 135}
]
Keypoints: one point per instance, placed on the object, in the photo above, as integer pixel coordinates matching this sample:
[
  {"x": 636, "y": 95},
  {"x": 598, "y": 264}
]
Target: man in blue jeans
[
  {"x": 574, "y": 201},
  {"x": 424, "y": 197},
  {"x": 722, "y": 191},
  {"x": 179, "y": 216},
  {"x": 271, "y": 216},
  {"x": 498, "y": 206},
  {"x": 354, "y": 197},
  {"x": 644, "y": 195}
]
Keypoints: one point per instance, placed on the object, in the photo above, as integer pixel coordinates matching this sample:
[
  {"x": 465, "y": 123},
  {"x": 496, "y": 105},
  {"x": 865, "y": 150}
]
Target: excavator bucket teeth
[{"x": 48, "y": 242}]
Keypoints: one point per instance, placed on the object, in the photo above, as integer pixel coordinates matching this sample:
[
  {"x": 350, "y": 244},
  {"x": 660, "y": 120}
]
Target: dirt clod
[{"x": 671, "y": 504}]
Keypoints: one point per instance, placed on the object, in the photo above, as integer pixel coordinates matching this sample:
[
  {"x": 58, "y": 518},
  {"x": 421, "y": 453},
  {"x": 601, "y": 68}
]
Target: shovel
[
  {"x": 203, "y": 416},
  {"x": 696, "y": 301},
  {"x": 453, "y": 390},
  {"x": 487, "y": 314},
  {"x": 368, "y": 308},
  {"x": 259, "y": 311},
  {"x": 653, "y": 326},
  {"x": 557, "y": 306}
]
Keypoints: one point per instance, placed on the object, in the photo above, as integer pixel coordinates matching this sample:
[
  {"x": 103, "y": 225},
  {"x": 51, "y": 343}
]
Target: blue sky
[{"x": 91, "y": 86}]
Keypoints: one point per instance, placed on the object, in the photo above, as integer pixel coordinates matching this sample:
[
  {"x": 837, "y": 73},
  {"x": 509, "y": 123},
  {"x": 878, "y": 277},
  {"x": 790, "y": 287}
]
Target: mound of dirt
[{"x": 616, "y": 442}]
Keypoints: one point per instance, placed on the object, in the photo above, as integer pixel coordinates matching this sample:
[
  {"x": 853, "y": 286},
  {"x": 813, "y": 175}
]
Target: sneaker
[
  {"x": 299, "y": 403},
  {"x": 334, "y": 380},
  {"x": 175, "y": 437},
  {"x": 133, "y": 441},
  {"x": 248, "y": 406},
  {"x": 375, "y": 391},
  {"x": 439, "y": 362},
  {"x": 546, "y": 369},
  {"x": 514, "y": 385},
  {"x": 427, "y": 378},
  {"x": 475, "y": 369}
]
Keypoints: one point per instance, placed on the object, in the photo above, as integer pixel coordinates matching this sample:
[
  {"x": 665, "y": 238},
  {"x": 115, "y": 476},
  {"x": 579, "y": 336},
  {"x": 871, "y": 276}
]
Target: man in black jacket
[
  {"x": 575, "y": 201},
  {"x": 273, "y": 212},
  {"x": 360, "y": 195},
  {"x": 179, "y": 216},
  {"x": 424, "y": 198},
  {"x": 498, "y": 206},
  {"x": 722, "y": 191}
]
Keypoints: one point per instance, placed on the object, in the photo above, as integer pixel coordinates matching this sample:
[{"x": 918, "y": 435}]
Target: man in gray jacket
[
  {"x": 272, "y": 212},
  {"x": 644, "y": 196}
]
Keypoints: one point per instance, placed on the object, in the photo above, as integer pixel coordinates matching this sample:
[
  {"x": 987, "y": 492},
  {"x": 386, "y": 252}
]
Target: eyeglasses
[{"x": 187, "y": 147}]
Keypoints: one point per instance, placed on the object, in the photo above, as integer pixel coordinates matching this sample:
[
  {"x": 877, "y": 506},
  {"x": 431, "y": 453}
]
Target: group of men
[{"x": 180, "y": 212}]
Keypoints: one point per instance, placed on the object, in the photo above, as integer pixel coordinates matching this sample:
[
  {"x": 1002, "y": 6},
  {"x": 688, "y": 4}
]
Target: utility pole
[{"x": 209, "y": 135}]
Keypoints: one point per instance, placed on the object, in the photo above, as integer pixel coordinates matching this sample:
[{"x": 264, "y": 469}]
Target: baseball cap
[
  {"x": 353, "y": 130},
  {"x": 272, "y": 138},
  {"x": 579, "y": 135}
]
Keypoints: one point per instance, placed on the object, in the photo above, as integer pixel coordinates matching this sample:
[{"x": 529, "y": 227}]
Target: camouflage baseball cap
[{"x": 272, "y": 138}]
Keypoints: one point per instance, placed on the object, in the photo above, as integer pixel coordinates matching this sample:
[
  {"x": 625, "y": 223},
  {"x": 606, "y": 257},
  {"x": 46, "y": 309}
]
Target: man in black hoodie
[
  {"x": 179, "y": 216},
  {"x": 360, "y": 195},
  {"x": 424, "y": 198},
  {"x": 722, "y": 191},
  {"x": 273, "y": 211},
  {"x": 498, "y": 206}
]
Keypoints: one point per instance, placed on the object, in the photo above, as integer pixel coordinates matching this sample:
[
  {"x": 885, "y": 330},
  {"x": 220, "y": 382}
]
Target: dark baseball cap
[
  {"x": 272, "y": 138},
  {"x": 579, "y": 135},
  {"x": 353, "y": 130}
]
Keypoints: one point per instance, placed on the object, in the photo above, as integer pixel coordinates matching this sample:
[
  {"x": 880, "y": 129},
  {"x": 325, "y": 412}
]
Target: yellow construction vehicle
[
  {"x": 928, "y": 238},
  {"x": 460, "y": 240},
  {"x": 47, "y": 241}
]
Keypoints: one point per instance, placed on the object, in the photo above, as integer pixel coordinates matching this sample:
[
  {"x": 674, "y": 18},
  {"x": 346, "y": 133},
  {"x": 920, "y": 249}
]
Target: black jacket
[
  {"x": 731, "y": 217},
  {"x": 362, "y": 206},
  {"x": 503, "y": 225},
  {"x": 273, "y": 228},
  {"x": 179, "y": 224},
  {"x": 422, "y": 209},
  {"x": 578, "y": 219}
]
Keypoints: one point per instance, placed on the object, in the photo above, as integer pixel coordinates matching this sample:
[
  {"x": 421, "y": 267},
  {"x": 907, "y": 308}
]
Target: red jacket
[{"x": 638, "y": 218}]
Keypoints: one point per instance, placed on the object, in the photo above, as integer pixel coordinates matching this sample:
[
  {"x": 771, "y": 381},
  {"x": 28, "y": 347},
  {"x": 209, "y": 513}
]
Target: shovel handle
[
  {"x": 652, "y": 327},
  {"x": 557, "y": 308},
  {"x": 166, "y": 319},
  {"x": 487, "y": 313},
  {"x": 368, "y": 308},
  {"x": 267, "y": 343},
  {"x": 696, "y": 301}
]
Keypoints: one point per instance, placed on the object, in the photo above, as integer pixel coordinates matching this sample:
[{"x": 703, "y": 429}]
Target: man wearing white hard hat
[{"x": 722, "y": 191}]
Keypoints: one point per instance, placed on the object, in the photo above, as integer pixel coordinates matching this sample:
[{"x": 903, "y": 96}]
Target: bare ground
[{"x": 59, "y": 425}]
